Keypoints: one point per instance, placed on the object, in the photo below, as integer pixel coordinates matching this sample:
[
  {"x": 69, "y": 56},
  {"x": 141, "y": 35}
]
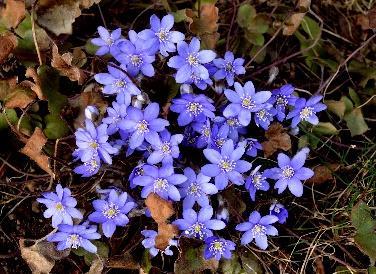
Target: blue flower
[
  {"x": 161, "y": 181},
  {"x": 282, "y": 98},
  {"x": 166, "y": 147},
  {"x": 306, "y": 110},
  {"x": 75, "y": 236},
  {"x": 228, "y": 68},
  {"x": 290, "y": 173},
  {"x": 244, "y": 101},
  {"x": 264, "y": 116},
  {"x": 111, "y": 212},
  {"x": 160, "y": 36},
  {"x": 232, "y": 126},
  {"x": 114, "y": 115},
  {"x": 199, "y": 225},
  {"x": 93, "y": 141},
  {"x": 256, "y": 181},
  {"x": 149, "y": 243},
  {"x": 219, "y": 135},
  {"x": 204, "y": 129},
  {"x": 137, "y": 171},
  {"x": 258, "y": 228},
  {"x": 107, "y": 41},
  {"x": 196, "y": 189},
  {"x": 252, "y": 147},
  {"x": 143, "y": 124},
  {"x": 88, "y": 168},
  {"x": 117, "y": 82},
  {"x": 135, "y": 57},
  {"x": 190, "y": 61},
  {"x": 199, "y": 81},
  {"x": 216, "y": 247},
  {"x": 60, "y": 206},
  {"x": 192, "y": 108},
  {"x": 280, "y": 211},
  {"x": 226, "y": 165}
]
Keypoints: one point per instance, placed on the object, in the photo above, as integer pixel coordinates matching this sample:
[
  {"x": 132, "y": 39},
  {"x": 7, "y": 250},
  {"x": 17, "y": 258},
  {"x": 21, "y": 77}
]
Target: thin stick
[{"x": 34, "y": 34}]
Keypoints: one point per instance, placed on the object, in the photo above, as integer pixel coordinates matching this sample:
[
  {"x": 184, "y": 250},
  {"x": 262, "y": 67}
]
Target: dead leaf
[
  {"x": 63, "y": 63},
  {"x": 13, "y": 13},
  {"x": 161, "y": 210},
  {"x": 295, "y": 19},
  {"x": 125, "y": 261},
  {"x": 205, "y": 26},
  {"x": 7, "y": 85},
  {"x": 96, "y": 267},
  {"x": 41, "y": 256},
  {"x": 363, "y": 21},
  {"x": 58, "y": 15},
  {"x": 20, "y": 97},
  {"x": 277, "y": 139},
  {"x": 8, "y": 42},
  {"x": 372, "y": 18},
  {"x": 323, "y": 174},
  {"x": 36, "y": 86},
  {"x": 33, "y": 149}
]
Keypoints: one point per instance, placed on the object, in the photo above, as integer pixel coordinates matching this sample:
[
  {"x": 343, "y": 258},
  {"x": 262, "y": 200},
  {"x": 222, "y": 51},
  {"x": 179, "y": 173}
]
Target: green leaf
[
  {"x": 260, "y": 24},
  {"x": 261, "y": 56},
  {"x": 324, "y": 128},
  {"x": 336, "y": 107},
  {"x": 367, "y": 243},
  {"x": 372, "y": 270},
  {"x": 231, "y": 266},
  {"x": 49, "y": 79},
  {"x": 311, "y": 27},
  {"x": 355, "y": 122},
  {"x": 361, "y": 218},
  {"x": 368, "y": 72},
  {"x": 348, "y": 104},
  {"x": 102, "y": 251},
  {"x": 180, "y": 15},
  {"x": 255, "y": 38},
  {"x": 246, "y": 13},
  {"x": 55, "y": 127},
  {"x": 8, "y": 115},
  {"x": 354, "y": 97}
]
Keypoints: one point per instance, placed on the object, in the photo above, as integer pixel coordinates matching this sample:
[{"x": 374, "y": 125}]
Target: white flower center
[
  {"x": 136, "y": 60},
  {"x": 257, "y": 181},
  {"x": 196, "y": 230},
  {"x": 166, "y": 148},
  {"x": 94, "y": 145},
  {"x": 233, "y": 122},
  {"x": 109, "y": 42},
  {"x": 92, "y": 165},
  {"x": 287, "y": 172},
  {"x": 160, "y": 184},
  {"x": 248, "y": 103},
  {"x": 111, "y": 211},
  {"x": 281, "y": 100},
  {"x": 162, "y": 35},
  {"x": 206, "y": 131},
  {"x": 217, "y": 247},
  {"x": 192, "y": 59},
  {"x": 226, "y": 165},
  {"x": 219, "y": 142},
  {"x": 74, "y": 241},
  {"x": 59, "y": 207},
  {"x": 194, "y": 189},
  {"x": 258, "y": 230},
  {"x": 142, "y": 126},
  {"x": 306, "y": 112},
  {"x": 194, "y": 108},
  {"x": 229, "y": 67},
  {"x": 120, "y": 83}
]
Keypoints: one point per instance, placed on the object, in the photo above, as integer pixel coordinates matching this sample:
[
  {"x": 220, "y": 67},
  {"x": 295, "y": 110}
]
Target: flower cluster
[{"x": 218, "y": 131}]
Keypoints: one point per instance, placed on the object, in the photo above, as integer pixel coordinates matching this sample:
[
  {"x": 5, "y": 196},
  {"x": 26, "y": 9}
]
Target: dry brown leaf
[
  {"x": 96, "y": 267},
  {"x": 295, "y": 19},
  {"x": 323, "y": 174},
  {"x": 36, "y": 86},
  {"x": 161, "y": 210},
  {"x": 8, "y": 42},
  {"x": 277, "y": 139},
  {"x": 6, "y": 85},
  {"x": 372, "y": 18},
  {"x": 20, "y": 97},
  {"x": 33, "y": 149},
  {"x": 13, "y": 13},
  {"x": 363, "y": 21},
  {"x": 125, "y": 261},
  {"x": 63, "y": 63}
]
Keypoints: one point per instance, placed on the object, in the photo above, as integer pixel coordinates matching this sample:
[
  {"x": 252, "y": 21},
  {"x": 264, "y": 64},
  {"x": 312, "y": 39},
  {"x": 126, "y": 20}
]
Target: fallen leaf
[
  {"x": 7, "y": 85},
  {"x": 363, "y": 21},
  {"x": 323, "y": 174},
  {"x": 20, "y": 97},
  {"x": 36, "y": 86},
  {"x": 355, "y": 122},
  {"x": 277, "y": 139},
  {"x": 13, "y": 13},
  {"x": 96, "y": 267},
  {"x": 295, "y": 19},
  {"x": 63, "y": 63},
  {"x": 8, "y": 42},
  {"x": 125, "y": 261},
  {"x": 33, "y": 149},
  {"x": 372, "y": 18},
  {"x": 160, "y": 211}
]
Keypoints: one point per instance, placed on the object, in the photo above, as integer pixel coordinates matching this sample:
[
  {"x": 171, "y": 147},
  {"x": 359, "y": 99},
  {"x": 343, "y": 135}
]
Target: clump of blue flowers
[{"x": 202, "y": 145}]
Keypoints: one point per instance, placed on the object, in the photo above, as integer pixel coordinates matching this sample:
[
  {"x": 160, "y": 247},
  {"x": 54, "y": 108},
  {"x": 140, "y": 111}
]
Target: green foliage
[
  {"x": 7, "y": 115},
  {"x": 102, "y": 251},
  {"x": 253, "y": 24},
  {"x": 367, "y": 70},
  {"x": 55, "y": 127},
  {"x": 324, "y": 128},
  {"x": 365, "y": 225}
]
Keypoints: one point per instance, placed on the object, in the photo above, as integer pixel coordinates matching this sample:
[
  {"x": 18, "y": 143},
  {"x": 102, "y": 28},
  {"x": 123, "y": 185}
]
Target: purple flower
[
  {"x": 306, "y": 110},
  {"x": 89, "y": 168},
  {"x": 199, "y": 81},
  {"x": 196, "y": 189},
  {"x": 228, "y": 67},
  {"x": 264, "y": 116},
  {"x": 244, "y": 101},
  {"x": 111, "y": 212},
  {"x": 219, "y": 135},
  {"x": 137, "y": 171},
  {"x": 166, "y": 147},
  {"x": 290, "y": 173},
  {"x": 60, "y": 206},
  {"x": 216, "y": 247},
  {"x": 161, "y": 181},
  {"x": 149, "y": 243},
  {"x": 226, "y": 165},
  {"x": 232, "y": 126},
  {"x": 282, "y": 98},
  {"x": 160, "y": 36},
  {"x": 114, "y": 115},
  {"x": 117, "y": 82},
  {"x": 107, "y": 41},
  {"x": 280, "y": 211},
  {"x": 92, "y": 141},
  {"x": 256, "y": 181},
  {"x": 204, "y": 129},
  {"x": 199, "y": 225},
  {"x": 75, "y": 236},
  {"x": 135, "y": 57},
  {"x": 192, "y": 108},
  {"x": 258, "y": 228},
  {"x": 143, "y": 124},
  {"x": 252, "y": 147},
  {"x": 190, "y": 61}
]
